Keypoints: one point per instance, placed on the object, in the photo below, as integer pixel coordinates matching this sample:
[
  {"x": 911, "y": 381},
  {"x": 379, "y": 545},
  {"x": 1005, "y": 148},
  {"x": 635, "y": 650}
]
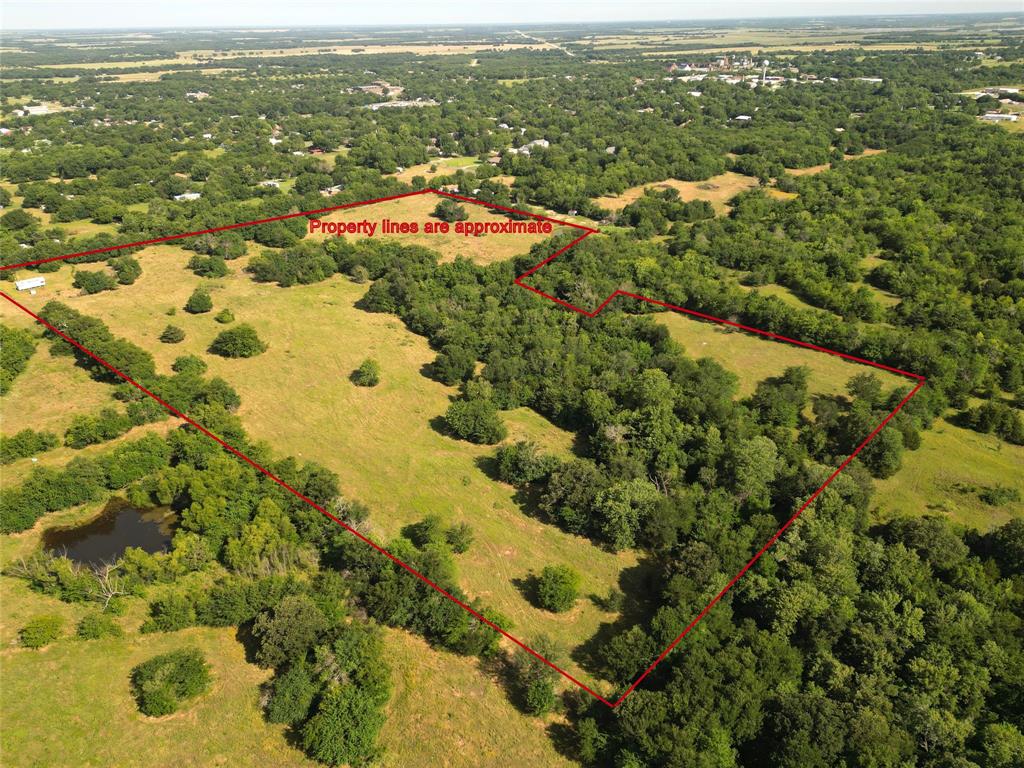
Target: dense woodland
[{"x": 852, "y": 643}]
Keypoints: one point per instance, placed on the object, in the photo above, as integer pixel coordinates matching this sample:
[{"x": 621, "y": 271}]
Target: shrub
[
  {"x": 172, "y": 334},
  {"x": 189, "y": 365},
  {"x": 96, "y": 625},
  {"x": 450, "y": 211},
  {"x": 240, "y": 341},
  {"x": 225, "y": 316},
  {"x": 999, "y": 495},
  {"x": 169, "y": 613},
  {"x": 558, "y": 588},
  {"x": 89, "y": 430},
  {"x": 161, "y": 684},
  {"x": 199, "y": 302},
  {"x": 459, "y": 537},
  {"x": 42, "y": 630},
  {"x": 26, "y": 443},
  {"x": 367, "y": 374}
]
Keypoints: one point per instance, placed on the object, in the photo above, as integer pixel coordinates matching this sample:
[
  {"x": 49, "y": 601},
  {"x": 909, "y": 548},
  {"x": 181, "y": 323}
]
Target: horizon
[{"x": 19, "y": 16}]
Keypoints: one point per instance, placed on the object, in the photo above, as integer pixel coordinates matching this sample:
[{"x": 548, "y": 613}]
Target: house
[
  {"x": 743, "y": 118},
  {"x": 188, "y": 196},
  {"x": 270, "y": 183},
  {"x": 30, "y": 283},
  {"x": 999, "y": 117},
  {"x": 197, "y": 95}
]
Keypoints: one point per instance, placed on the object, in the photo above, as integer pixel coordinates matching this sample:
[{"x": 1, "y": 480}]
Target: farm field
[{"x": 298, "y": 398}]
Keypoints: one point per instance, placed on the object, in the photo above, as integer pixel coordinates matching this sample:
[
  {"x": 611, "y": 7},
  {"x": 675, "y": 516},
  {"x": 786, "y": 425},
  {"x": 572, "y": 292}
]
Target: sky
[{"x": 120, "y": 14}]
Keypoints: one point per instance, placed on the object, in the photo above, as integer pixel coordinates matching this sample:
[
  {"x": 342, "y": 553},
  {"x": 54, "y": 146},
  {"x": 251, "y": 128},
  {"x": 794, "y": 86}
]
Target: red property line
[{"x": 587, "y": 231}]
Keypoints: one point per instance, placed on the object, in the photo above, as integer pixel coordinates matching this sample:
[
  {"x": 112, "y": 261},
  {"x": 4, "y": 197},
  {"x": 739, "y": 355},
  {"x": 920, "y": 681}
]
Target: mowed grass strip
[{"x": 386, "y": 443}]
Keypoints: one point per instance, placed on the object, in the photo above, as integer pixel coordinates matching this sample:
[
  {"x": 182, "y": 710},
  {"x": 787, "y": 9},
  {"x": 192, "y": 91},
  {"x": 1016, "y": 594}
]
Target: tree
[
  {"x": 127, "y": 269},
  {"x": 172, "y": 334},
  {"x": 884, "y": 454},
  {"x": 367, "y": 374},
  {"x": 93, "y": 282},
  {"x": 42, "y": 630},
  {"x": 450, "y": 211},
  {"x": 199, "y": 302},
  {"x": 534, "y": 680},
  {"x": 476, "y": 420},
  {"x": 558, "y": 588},
  {"x": 161, "y": 684},
  {"x": 522, "y": 463},
  {"x": 240, "y": 341},
  {"x": 288, "y": 630},
  {"x": 225, "y": 316},
  {"x": 622, "y": 509},
  {"x": 292, "y": 694}
]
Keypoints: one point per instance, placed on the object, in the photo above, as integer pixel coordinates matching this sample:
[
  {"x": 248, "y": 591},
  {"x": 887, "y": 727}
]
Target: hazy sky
[{"x": 80, "y": 14}]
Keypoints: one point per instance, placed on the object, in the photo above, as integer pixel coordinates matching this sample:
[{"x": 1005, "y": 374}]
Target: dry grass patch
[
  {"x": 717, "y": 190},
  {"x": 481, "y": 250},
  {"x": 442, "y": 166}
]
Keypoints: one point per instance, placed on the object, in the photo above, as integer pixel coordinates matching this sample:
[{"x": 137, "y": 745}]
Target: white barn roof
[{"x": 30, "y": 282}]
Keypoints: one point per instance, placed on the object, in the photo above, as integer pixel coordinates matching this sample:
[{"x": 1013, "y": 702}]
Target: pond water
[{"x": 105, "y": 538}]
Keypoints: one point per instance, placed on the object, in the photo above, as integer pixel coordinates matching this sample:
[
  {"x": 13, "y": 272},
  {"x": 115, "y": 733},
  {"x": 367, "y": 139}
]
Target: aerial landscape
[{"x": 464, "y": 388}]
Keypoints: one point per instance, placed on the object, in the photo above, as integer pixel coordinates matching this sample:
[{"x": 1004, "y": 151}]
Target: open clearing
[
  {"x": 944, "y": 475},
  {"x": 481, "y": 250},
  {"x": 383, "y": 442},
  {"x": 718, "y": 190},
  {"x": 754, "y": 359},
  {"x": 443, "y": 166}
]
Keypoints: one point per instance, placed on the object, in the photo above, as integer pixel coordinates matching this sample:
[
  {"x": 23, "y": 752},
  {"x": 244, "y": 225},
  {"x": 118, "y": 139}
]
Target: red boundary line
[{"x": 587, "y": 231}]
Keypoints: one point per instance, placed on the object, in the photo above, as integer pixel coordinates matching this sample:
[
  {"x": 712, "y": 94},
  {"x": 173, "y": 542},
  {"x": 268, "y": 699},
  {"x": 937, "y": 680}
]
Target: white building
[
  {"x": 999, "y": 117},
  {"x": 188, "y": 196},
  {"x": 30, "y": 283}
]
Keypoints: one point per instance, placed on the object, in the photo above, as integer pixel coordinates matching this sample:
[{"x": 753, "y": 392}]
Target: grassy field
[
  {"x": 946, "y": 473},
  {"x": 443, "y": 166},
  {"x": 717, "y": 190},
  {"x": 481, "y": 250},
  {"x": 383, "y": 442},
  {"x": 754, "y": 359}
]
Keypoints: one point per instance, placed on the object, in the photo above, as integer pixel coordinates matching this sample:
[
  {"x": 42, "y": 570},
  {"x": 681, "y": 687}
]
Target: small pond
[{"x": 119, "y": 526}]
